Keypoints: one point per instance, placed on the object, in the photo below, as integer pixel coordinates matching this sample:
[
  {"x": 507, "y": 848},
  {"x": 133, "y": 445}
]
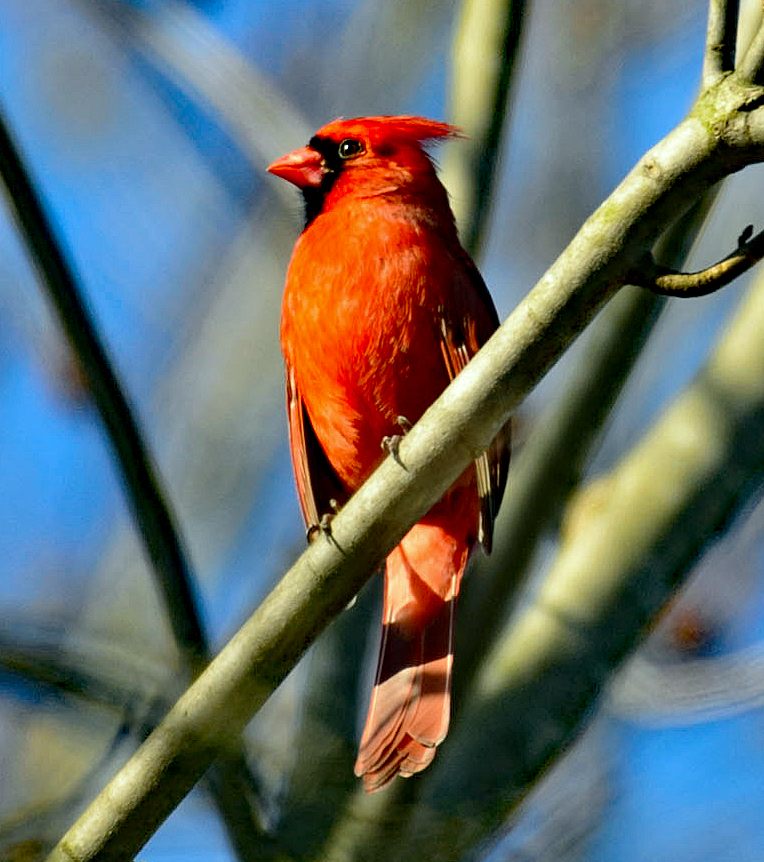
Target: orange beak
[{"x": 304, "y": 167}]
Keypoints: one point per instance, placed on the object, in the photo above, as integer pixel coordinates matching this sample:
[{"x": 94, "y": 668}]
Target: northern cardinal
[{"x": 382, "y": 308}]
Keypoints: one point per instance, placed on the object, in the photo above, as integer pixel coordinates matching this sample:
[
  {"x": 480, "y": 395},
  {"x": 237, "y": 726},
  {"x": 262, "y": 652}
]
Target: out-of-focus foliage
[{"x": 147, "y": 126}]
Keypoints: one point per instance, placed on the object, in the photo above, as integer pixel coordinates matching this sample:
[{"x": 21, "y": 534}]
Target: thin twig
[
  {"x": 721, "y": 35},
  {"x": 669, "y": 282}
]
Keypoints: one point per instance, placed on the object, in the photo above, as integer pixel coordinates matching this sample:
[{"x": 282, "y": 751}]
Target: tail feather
[
  {"x": 433, "y": 708},
  {"x": 393, "y": 698},
  {"x": 411, "y": 699},
  {"x": 417, "y": 757}
]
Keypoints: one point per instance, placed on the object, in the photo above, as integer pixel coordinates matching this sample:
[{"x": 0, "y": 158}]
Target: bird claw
[
  {"x": 312, "y": 531},
  {"x": 324, "y": 526},
  {"x": 392, "y": 443}
]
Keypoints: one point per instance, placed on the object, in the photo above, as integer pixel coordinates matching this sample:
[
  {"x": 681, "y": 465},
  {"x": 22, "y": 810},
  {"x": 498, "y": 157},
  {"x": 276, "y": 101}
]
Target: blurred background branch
[
  {"x": 173, "y": 37},
  {"x": 667, "y": 502},
  {"x": 151, "y": 511},
  {"x": 487, "y": 41}
]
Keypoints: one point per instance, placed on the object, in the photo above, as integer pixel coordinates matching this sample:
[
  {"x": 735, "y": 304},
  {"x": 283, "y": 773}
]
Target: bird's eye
[{"x": 349, "y": 147}]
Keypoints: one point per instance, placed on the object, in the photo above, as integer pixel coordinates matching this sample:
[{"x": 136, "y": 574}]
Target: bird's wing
[
  {"x": 462, "y": 332},
  {"x": 319, "y": 488}
]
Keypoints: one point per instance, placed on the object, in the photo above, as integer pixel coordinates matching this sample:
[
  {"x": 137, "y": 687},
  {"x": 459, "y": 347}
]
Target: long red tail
[{"x": 411, "y": 700}]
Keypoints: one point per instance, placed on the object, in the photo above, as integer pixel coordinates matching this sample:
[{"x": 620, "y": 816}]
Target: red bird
[{"x": 382, "y": 308}]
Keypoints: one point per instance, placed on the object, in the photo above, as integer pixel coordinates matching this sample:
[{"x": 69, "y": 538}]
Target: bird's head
[{"x": 367, "y": 155}]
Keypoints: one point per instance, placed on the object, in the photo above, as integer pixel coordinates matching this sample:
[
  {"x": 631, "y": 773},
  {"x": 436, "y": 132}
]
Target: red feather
[{"x": 382, "y": 308}]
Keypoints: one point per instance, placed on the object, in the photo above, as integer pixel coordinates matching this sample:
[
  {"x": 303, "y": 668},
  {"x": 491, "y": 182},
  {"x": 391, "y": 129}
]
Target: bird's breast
[{"x": 360, "y": 328}]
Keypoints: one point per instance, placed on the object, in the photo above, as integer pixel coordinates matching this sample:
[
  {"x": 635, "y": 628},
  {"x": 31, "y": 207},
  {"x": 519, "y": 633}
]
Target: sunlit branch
[
  {"x": 751, "y": 67},
  {"x": 669, "y": 282},
  {"x": 721, "y": 35}
]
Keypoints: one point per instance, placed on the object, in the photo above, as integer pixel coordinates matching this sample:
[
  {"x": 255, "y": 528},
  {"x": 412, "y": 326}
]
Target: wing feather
[
  {"x": 319, "y": 488},
  {"x": 459, "y": 342}
]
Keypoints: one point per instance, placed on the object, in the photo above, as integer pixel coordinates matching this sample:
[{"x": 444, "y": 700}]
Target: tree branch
[
  {"x": 721, "y": 35},
  {"x": 544, "y": 472},
  {"x": 486, "y": 45},
  {"x": 145, "y": 496},
  {"x": 752, "y": 65},
  {"x": 669, "y": 282},
  {"x": 453, "y": 431},
  {"x": 101, "y": 671},
  {"x": 665, "y": 503},
  {"x": 173, "y": 38}
]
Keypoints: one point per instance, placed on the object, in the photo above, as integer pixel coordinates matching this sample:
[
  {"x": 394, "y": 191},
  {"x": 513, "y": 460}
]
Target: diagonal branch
[
  {"x": 547, "y": 467},
  {"x": 721, "y": 35},
  {"x": 664, "y": 504},
  {"x": 669, "y": 282},
  {"x": 145, "y": 494},
  {"x": 456, "y": 429}
]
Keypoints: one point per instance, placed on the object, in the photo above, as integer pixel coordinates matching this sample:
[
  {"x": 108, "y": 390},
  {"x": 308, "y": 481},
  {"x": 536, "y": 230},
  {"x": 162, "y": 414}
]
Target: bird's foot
[
  {"x": 393, "y": 442},
  {"x": 324, "y": 526}
]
